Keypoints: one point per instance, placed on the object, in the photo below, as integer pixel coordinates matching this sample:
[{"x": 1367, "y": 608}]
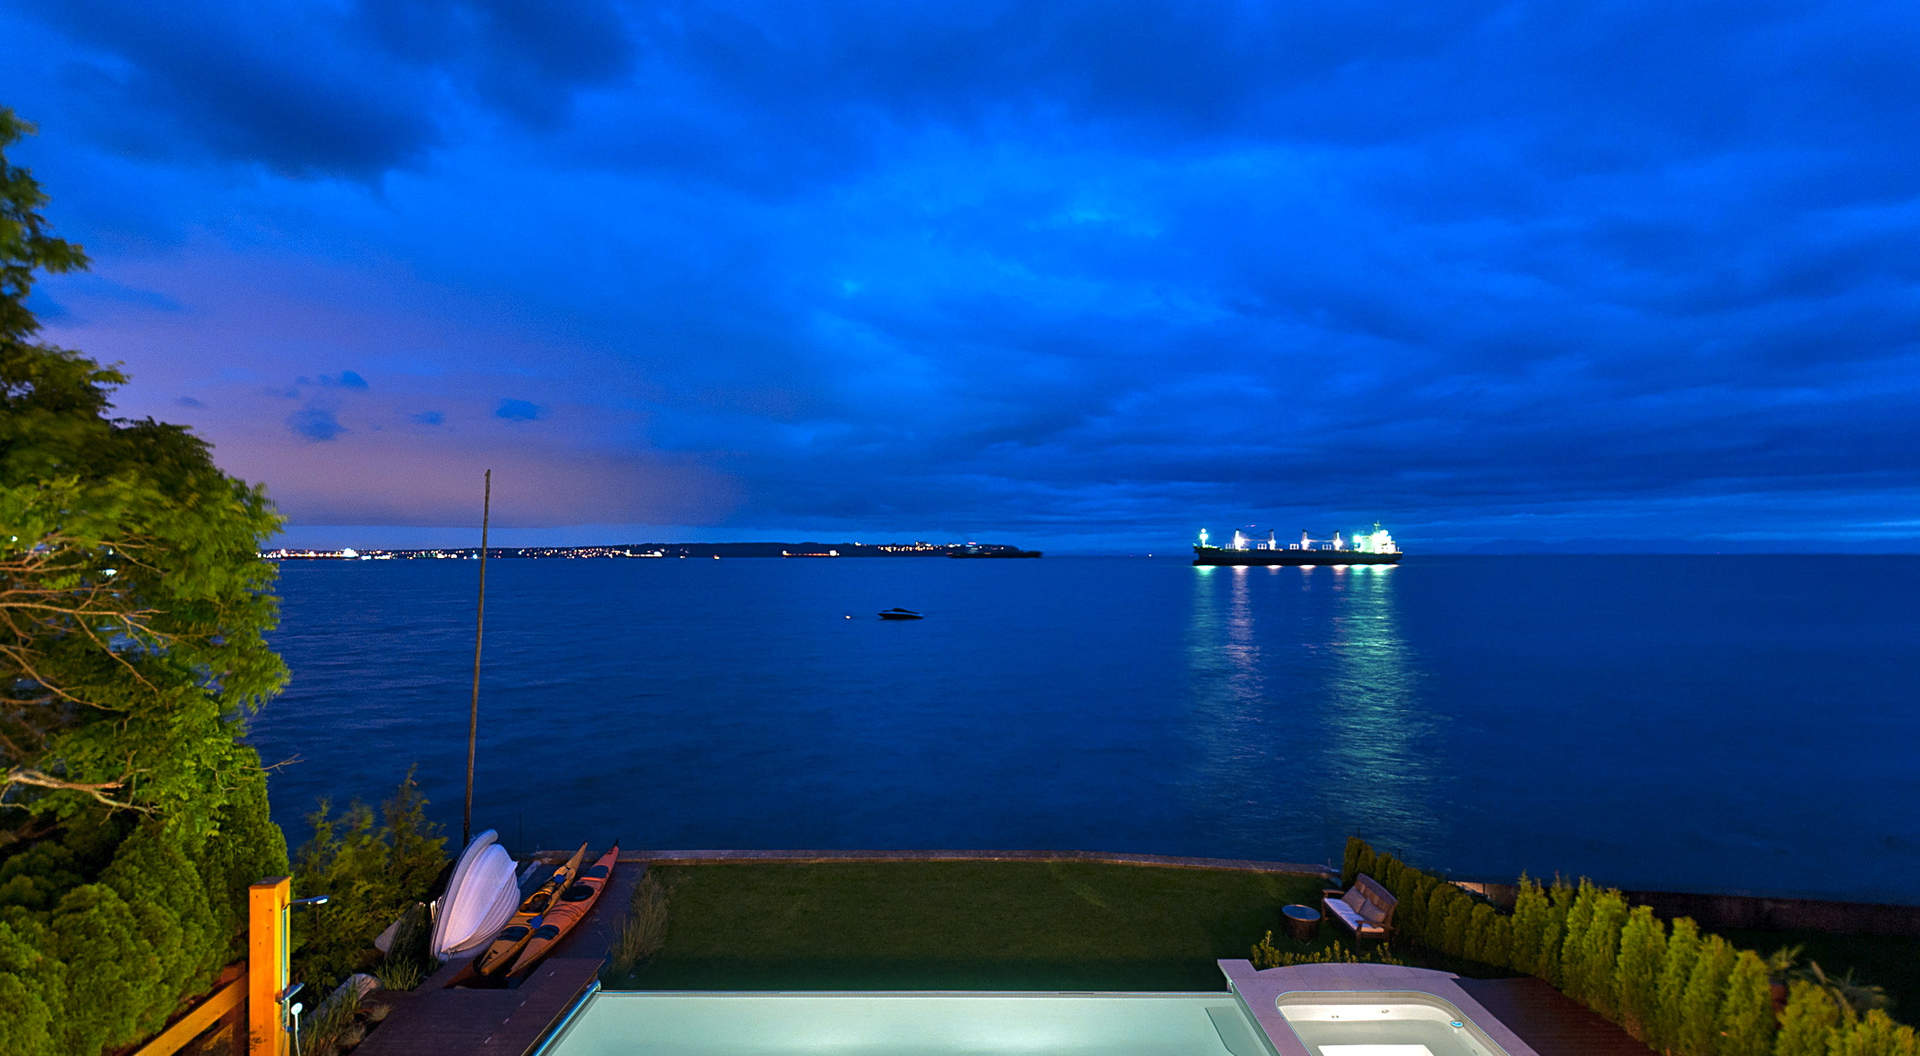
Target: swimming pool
[
  {"x": 629, "y": 1023},
  {"x": 1374, "y": 1023}
]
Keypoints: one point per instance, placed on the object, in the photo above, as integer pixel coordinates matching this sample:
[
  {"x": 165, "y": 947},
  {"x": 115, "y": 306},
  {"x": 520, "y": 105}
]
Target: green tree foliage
[
  {"x": 373, "y": 873},
  {"x": 25, "y": 245},
  {"x": 1643, "y": 949},
  {"x": 133, "y": 604},
  {"x": 1560, "y": 899},
  {"x": 1805, "y": 1024},
  {"x": 1596, "y": 962},
  {"x": 1874, "y": 1034},
  {"x": 1439, "y": 900},
  {"x": 1411, "y": 913},
  {"x": 1574, "y": 932},
  {"x": 1458, "y": 922},
  {"x": 1670, "y": 993},
  {"x": 1746, "y": 1012},
  {"x": 1682, "y": 993},
  {"x": 133, "y": 609},
  {"x": 1480, "y": 932},
  {"x": 31, "y": 985},
  {"x": 1529, "y": 926},
  {"x": 1706, "y": 991},
  {"x": 1350, "y": 862}
]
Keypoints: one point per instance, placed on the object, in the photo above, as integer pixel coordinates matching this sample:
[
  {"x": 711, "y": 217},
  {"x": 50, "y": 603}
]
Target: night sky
[{"x": 1081, "y": 277}]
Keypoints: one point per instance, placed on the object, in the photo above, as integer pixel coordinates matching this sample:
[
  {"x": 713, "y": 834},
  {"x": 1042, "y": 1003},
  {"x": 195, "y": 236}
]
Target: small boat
[
  {"x": 900, "y": 614},
  {"x": 566, "y": 911},
  {"x": 511, "y": 938}
]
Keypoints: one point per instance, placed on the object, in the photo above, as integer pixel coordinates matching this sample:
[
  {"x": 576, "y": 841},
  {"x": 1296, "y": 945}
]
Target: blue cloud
[
  {"x": 315, "y": 424},
  {"x": 1136, "y": 264},
  {"x": 189, "y": 401}
]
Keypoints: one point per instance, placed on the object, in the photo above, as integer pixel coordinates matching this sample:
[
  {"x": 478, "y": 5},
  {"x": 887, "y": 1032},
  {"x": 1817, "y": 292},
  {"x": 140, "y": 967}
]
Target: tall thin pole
[{"x": 479, "y": 625}]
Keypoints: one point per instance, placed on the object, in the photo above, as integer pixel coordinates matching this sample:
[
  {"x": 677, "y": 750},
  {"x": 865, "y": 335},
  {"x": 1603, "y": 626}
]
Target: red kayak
[
  {"x": 519, "y": 931},
  {"x": 566, "y": 911}
]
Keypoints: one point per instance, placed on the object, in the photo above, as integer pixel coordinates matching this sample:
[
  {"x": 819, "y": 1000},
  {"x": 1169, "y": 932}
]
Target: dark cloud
[
  {"x": 315, "y": 424},
  {"x": 315, "y": 91},
  {"x": 189, "y": 401},
  {"x": 265, "y": 85},
  {"x": 528, "y": 60},
  {"x": 1087, "y": 268}
]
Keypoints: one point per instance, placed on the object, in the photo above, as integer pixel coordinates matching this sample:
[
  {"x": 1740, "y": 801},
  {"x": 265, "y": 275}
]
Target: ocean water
[{"x": 1683, "y": 723}]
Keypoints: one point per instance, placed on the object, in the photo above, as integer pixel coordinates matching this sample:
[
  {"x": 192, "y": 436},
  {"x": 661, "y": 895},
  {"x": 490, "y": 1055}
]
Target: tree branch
[{"x": 21, "y": 775}]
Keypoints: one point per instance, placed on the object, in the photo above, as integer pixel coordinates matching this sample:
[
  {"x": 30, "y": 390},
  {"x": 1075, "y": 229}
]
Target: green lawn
[{"x": 961, "y": 925}]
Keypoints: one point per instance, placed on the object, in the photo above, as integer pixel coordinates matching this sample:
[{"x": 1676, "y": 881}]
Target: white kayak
[{"x": 481, "y": 896}]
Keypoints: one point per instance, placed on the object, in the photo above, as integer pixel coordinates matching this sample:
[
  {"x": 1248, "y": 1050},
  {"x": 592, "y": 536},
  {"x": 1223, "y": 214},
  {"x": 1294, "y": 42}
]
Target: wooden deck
[
  {"x": 1550, "y": 1021},
  {"x": 436, "y": 1021}
]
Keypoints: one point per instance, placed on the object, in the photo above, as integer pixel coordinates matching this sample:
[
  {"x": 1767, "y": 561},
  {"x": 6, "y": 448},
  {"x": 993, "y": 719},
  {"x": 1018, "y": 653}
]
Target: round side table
[{"x": 1303, "y": 922}]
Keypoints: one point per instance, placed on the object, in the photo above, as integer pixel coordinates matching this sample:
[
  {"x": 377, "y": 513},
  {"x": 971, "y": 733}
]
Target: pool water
[
  {"x": 879, "y": 1024},
  {"x": 1383, "y": 1024}
]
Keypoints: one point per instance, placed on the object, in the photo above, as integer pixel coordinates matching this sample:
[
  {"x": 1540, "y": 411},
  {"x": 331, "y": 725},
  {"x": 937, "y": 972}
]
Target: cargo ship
[{"x": 1365, "y": 548}]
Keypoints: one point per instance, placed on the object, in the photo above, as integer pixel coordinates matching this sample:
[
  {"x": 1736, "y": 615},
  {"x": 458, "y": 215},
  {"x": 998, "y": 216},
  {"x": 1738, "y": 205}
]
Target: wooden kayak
[
  {"x": 566, "y": 911},
  {"x": 511, "y": 938}
]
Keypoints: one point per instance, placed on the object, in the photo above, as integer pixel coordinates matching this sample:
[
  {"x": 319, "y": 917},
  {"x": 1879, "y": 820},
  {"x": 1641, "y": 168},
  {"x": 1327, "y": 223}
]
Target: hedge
[
  {"x": 1681, "y": 992},
  {"x": 105, "y": 931}
]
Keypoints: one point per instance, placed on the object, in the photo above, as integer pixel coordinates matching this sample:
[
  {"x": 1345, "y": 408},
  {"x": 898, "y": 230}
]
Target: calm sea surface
[{"x": 1686, "y": 723}]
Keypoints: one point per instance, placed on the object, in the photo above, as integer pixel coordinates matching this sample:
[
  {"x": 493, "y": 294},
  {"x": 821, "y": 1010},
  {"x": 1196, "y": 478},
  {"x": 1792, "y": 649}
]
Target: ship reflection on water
[{"x": 1306, "y": 699}]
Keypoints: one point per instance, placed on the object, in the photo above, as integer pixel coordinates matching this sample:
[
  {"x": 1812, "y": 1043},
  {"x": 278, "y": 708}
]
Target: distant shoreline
[{"x": 642, "y": 551}]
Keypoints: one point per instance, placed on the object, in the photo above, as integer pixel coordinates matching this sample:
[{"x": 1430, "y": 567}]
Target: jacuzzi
[
  {"x": 1389, "y": 1023},
  {"x": 1368, "y": 1010}
]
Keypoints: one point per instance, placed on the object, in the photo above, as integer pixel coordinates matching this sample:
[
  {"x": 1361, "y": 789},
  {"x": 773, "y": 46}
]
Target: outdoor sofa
[{"x": 1366, "y": 908}]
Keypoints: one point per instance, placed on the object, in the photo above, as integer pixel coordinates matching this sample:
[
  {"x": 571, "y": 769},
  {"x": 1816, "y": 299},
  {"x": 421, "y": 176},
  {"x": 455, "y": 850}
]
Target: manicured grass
[{"x": 962, "y": 925}]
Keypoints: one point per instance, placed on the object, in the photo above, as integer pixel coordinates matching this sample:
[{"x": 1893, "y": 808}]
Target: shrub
[
  {"x": 1365, "y": 863},
  {"x": 112, "y": 975},
  {"x": 1411, "y": 914},
  {"x": 1500, "y": 939},
  {"x": 1529, "y": 927},
  {"x": 1350, "y": 862},
  {"x": 1579, "y": 916},
  {"x": 1680, "y": 992},
  {"x": 1810, "y": 1016},
  {"x": 1458, "y": 921},
  {"x": 32, "y": 991},
  {"x": 372, "y": 873},
  {"x": 645, "y": 931},
  {"x": 1598, "y": 956},
  {"x": 1560, "y": 899},
  {"x": 152, "y": 874},
  {"x": 1670, "y": 993},
  {"x": 1746, "y": 1013},
  {"x": 1874, "y": 1034},
  {"x": 1265, "y": 955},
  {"x": 1480, "y": 930},
  {"x": 1643, "y": 948},
  {"x": 1699, "y": 1032}
]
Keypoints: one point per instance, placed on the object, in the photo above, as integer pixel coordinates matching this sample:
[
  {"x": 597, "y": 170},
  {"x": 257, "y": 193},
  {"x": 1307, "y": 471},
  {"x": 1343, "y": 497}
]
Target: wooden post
[
  {"x": 267, "y": 943},
  {"x": 479, "y": 625}
]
